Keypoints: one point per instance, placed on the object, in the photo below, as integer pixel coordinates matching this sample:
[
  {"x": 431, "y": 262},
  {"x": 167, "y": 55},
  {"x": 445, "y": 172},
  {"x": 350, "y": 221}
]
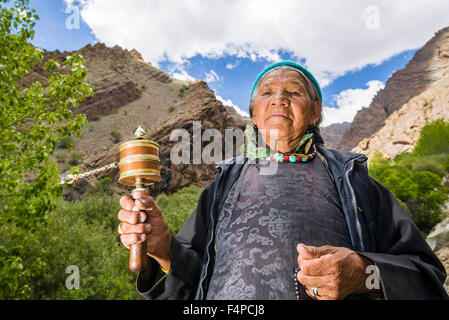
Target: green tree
[
  {"x": 434, "y": 139},
  {"x": 419, "y": 192},
  {"x": 415, "y": 178},
  {"x": 34, "y": 119}
]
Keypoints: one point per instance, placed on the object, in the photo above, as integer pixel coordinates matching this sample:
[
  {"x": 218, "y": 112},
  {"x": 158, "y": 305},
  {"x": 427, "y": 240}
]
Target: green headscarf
[{"x": 294, "y": 65}]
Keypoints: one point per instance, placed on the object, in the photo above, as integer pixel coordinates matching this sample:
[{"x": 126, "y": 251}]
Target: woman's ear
[
  {"x": 253, "y": 119},
  {"x": 316, "y": 112}
]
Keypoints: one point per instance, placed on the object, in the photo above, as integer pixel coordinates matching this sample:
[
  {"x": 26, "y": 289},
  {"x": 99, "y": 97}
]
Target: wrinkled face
[{"x": 283, "y": 103}]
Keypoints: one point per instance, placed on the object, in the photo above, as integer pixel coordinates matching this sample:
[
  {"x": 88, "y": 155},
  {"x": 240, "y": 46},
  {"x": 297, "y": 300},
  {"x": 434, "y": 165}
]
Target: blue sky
[{"x": 352, "y": 47}]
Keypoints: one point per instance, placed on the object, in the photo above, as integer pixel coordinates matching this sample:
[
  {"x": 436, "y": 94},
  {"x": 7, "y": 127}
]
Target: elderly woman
[{"x": 317, "y": 227}]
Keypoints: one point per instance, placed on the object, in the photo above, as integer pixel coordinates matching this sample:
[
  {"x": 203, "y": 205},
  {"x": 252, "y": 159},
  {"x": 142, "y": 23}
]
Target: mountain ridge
[
  {"x": 129, "y": 92},
  {"x": 428, "y": 65}
]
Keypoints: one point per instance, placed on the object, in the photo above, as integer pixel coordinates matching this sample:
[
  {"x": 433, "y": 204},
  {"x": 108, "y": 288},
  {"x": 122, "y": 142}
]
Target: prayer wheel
[
  {"x": 139, "y": 161},
  {"x": 139, "y": 166}
]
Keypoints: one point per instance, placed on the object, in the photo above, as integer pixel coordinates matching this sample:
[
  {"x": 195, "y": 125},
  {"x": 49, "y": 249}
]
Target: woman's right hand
[{"x": 147, "y": 225}]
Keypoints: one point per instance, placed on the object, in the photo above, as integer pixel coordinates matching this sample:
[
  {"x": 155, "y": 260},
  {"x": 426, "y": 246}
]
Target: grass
[{"x": 75, "y": 159}]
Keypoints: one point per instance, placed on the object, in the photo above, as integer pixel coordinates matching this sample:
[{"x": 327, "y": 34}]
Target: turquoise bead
[
  {"x": 304, "y": 159},
  {"x": 292, "y": 159}
]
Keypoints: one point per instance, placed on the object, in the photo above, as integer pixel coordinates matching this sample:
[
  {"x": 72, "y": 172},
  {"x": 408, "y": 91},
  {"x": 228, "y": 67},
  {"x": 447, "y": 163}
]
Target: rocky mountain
[
  {"x": 130, "y": 92},
  {"x": 333, "y": 133},
  {"x": 401, "y": 129},
  {"x": 199, "y": 104},
  {"x": 427, "y": 69}
]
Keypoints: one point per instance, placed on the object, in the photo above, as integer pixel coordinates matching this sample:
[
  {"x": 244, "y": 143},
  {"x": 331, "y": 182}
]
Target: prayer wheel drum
[
  {"x": 139, "y": 162},
  {"x": 139, "y": 166}
]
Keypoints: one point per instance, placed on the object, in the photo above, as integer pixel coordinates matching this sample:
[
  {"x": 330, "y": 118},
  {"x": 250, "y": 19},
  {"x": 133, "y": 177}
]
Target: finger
[
  {"x": 316, "y": 267},
  {"x": 127, "y": 203},
  {"x": 324, "y": 294},
  {"x": 143, "y": 201},
  {"x": 138, "y": 194},
  {"x": 132, "y": 217},
  {"x": 311, "y": 252},
  {"x": 313, "y": 281},
  {"x": 130, "y": 239},
  {"x": 135, "y": 228}
]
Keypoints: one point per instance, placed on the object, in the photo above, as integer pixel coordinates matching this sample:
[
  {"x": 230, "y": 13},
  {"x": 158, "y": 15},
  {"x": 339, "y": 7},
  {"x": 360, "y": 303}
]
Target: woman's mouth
[{"x": 279, "y": 115}]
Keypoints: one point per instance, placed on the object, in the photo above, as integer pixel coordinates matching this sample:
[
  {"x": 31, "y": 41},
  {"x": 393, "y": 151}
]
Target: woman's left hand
[{"x": 335, "y": 271}]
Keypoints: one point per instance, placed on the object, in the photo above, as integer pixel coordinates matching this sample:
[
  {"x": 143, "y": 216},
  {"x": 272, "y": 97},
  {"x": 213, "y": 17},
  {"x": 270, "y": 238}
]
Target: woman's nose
[{"x": 280, "y": 99}]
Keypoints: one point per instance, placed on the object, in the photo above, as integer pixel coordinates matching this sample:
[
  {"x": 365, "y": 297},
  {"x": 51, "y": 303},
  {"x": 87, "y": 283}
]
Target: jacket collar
[
  {"x": 239, "y": 160},
  {"x": 336, "y": 159}
]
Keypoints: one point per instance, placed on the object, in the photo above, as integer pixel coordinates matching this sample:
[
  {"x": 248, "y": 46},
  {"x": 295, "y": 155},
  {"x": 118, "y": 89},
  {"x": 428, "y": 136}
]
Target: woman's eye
[{"x": 264, "y": 93}]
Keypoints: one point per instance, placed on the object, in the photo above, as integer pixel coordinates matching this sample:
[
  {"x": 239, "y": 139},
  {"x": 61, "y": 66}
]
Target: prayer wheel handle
[
  {"x": 139, "y": 167},
  {"x": 137, "y": 251}
]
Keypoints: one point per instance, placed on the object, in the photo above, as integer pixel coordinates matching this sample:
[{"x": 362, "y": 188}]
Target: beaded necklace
[{"x": 299, "y": 155}]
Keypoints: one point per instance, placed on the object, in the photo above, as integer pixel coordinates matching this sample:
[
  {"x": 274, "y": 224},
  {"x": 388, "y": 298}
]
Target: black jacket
[{"x": 379, "y": 228}]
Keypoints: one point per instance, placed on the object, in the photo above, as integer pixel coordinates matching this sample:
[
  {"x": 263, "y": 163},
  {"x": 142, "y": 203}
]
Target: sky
[{"x": 352, "y": 47}]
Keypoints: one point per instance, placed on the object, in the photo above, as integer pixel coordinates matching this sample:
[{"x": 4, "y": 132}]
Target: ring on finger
[
  {"x": 314, "y": 291},
  {"x": 120, "y": 232}
]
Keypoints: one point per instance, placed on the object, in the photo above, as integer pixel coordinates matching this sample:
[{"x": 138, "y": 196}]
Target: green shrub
[
  {"x": 117, "y": 136},
  {"x": 104, "y": 184},
  {"x": 434, "y": 139},
  {"x": 171, "y": 108},
  {"x": 76, "y": 159},
  {"x": 60, "y": 157},
  {"x": 433, "y": 163},
  {"x": 446, "y": 164},
  {"x": 183, "y": 90},
  {"x": 66, "y": 143},
  {"x": 178, "y": 206},
  {"x": 81, "y": 233},
  {"x": 419, "y": 191},
  {"x": 415, "y": 178},
  {"x": 95, "y": 117}
]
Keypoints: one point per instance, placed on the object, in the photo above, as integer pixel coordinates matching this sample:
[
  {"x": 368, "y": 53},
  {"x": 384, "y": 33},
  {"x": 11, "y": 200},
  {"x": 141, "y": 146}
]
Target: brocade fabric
[{"x": 263, "y": 219}]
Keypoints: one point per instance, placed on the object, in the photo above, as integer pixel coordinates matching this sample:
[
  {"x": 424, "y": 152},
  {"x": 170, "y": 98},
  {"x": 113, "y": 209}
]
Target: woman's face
[{"x": 282, "y": 103}]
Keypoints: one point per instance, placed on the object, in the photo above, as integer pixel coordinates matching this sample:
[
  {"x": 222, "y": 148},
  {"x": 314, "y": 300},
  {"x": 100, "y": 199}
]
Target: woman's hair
[{"x": 311, "y": 90}]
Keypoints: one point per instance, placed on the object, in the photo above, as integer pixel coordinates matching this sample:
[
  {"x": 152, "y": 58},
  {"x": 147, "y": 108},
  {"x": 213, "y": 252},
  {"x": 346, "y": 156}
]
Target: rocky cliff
[
  {"x": 130, "y": 92},
  {"x": 428, "y": 67},
  {"x": 401, "y": 129},
  {"x": 333, "y": 133},
  {"x": 199, "y": 104}
]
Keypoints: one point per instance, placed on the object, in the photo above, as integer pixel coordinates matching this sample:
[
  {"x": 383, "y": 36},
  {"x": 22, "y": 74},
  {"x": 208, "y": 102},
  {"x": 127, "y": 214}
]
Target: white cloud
[
  {"x": 332, "y": 36},
  {"x": 212, "y": 76},
  {"x": 179, "y": 72},
  {"x": 349, "y": 102},
  {"x": 231, "y": 66},
  {"x": 230, "y": 104}
]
